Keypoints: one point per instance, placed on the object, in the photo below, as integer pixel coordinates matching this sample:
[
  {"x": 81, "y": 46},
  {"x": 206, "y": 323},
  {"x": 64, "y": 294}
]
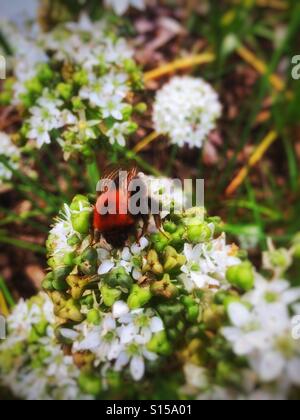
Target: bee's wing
[{"x": 112, "y": 173}]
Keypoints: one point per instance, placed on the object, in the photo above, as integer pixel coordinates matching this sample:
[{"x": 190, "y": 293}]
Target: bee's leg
[{"x": 95, "y": 236}]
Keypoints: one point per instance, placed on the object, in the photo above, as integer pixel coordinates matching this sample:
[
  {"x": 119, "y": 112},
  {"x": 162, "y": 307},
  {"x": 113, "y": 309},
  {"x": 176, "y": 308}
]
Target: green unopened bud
[
  {"x": 153, "y": 263},
  {"x": 110, "y": 296},
  {"x": 77, "y": 103},
  {"x": 89, "y": 384},
  {"x": 170, "y": 227},
  {"x": 127, "y": 112},
  {"x": 64, "y": 90},
  {"x": 159, "y": 344},
  {"x": 77, "y": 285},
  {"x": 198, "y": 233},
  {"x": 120, "y": 279},
  {"x": 71, "y": 311},
  {"x": 89, "y": 262},
  {"x": 74, "y": 240},
  {"x": 81, "y": 77},
  {"x": 94, "y": 317},
  {"x": 45, "y": 74},
  {"x": 192, "y": 308},
  {"x": 160, "y": 242},
  {"x": 177, "y": 238},
  {"x": 81, "y": 222},
  {"x": 139, "y": 297},
  {"x": 164, "y": 288},
  {"x": 69, "y": 259},
  {"x": 34, "y": 86},
  {"x": 141, "y": 108},
  {"x": 59, "y": 278},
  {"x": 47, "y": 282},
  {"x": 173, "y": 260},
  {"x": 241, "y": 276}
]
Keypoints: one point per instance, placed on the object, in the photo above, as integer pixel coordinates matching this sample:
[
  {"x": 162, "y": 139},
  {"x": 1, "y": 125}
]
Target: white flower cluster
[
  {"x": 10, "y": 153},
  {"x": 33, "y": 366},
  {"x": 121, "y": 6},
  {"x": 186, "y": 109},
  {"x": 121, "y": 339},
  {"x": 75, "y": 83},
  {"x": 261, "y": 332},
  {"x": 207, "y": 264}
]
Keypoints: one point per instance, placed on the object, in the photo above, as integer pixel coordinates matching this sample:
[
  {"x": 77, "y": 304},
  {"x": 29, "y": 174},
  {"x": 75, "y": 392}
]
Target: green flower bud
[
  {"x": 127, "y": 112},
  {"x": 89, "y": 262},
  {"x": 59, "y": 278},
  {"x": 89, "y": 384},
  {"x": 47, "y": 282},
  {"x": 94, "y": 317},
  {"x": 192, "y": 308},
  {"x": 139, "y": 297},
  {"x": 153, "y": 263},
  {"x": 41, "y": 327},
  {"x": 69, "y": 259},
  {"x": 79, "y": 200},
  {"x": 164, "y": 288},
  {"x": 173, "y": 261},
  {"x": 177, "y": 238},
  {"x": 74, "y": 240},
  {"x": 45, "y": 74},
  {"x": 64, "y": 90},
  {"x": 110, "y": 296},
  {"x": 160, "y": 242},
  {"x": 198, "y": 233},
  {"x": 81, "y": 222},
  {"x": 130, "y": 65},
  {"x": 34, "y": 86},
  {"x": 81, "y": 77},
  {"x": 241, "y": 276},
  {"x": 77, "y": 103},
  {"x": 87, "y": 301},
  {"x": 159, "y": 344},
  {"x": 78, "y": 285},
  {"x": 71, "y": 311},
  {"x": 170, "y": 227},
  {"x": 120, "y": 279},
  {"x": 141, "y": 108}
]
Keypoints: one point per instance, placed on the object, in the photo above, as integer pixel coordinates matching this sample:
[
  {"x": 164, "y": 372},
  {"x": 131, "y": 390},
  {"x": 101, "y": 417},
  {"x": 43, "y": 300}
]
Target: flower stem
[{"x": 180, "y": 64}]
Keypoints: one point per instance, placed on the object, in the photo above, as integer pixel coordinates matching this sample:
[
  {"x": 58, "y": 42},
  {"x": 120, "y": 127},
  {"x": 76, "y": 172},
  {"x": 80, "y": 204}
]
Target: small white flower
[
  {"x": 186, "y": 109},
  {"x": 207, "y": 264},
  {"x": 10, "y": 152}
]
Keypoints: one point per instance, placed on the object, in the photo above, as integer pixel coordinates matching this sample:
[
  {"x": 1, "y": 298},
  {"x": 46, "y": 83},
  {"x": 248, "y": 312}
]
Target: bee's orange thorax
[{"x": 117, "y": 219}]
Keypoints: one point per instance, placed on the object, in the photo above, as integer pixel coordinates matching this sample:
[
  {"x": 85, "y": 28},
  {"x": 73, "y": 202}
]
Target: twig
[
  {"x": 260, "y": 67},
  {"x": 145, "y": 142},
  {"x": 180, "y": 64},
  {"x": 254, "y": 159}
]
